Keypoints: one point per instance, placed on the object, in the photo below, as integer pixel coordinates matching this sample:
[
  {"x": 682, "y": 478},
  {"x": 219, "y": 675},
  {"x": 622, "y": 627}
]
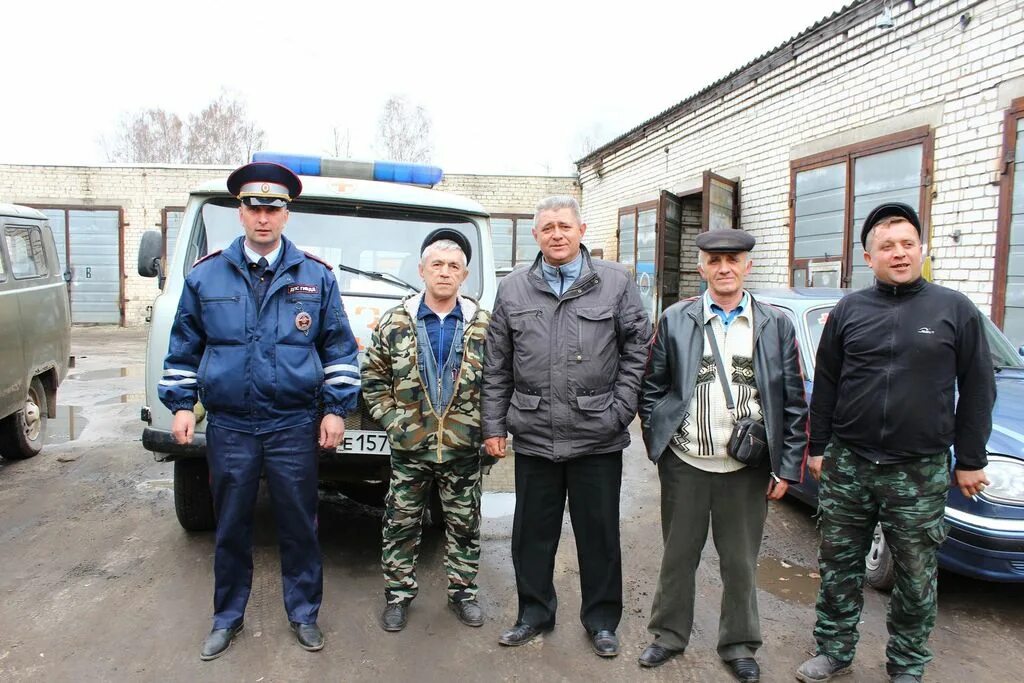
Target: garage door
[{"x": 96, "y": 266}]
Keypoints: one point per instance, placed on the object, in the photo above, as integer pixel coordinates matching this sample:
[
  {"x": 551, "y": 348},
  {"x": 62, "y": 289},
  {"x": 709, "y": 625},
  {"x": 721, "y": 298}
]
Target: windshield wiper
[{"x": 380, "y": 277}]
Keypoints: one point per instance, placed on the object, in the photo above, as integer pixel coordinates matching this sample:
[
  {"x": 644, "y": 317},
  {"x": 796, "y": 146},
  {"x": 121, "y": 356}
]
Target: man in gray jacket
[
  {"x": 687, "y": 421},
  {"x": 564, "y": 355}
]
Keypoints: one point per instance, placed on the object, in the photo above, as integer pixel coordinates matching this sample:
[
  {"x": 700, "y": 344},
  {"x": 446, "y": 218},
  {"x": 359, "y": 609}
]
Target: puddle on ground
[
  {"x": 787, "y": 581},
  {"x": 156, "y": 485},
  {"x": 123, "y": 398},
  {"x": 110, "y": 373},
  {"x": 497, "y": 504},
  {"x": 67, "y": 426}
]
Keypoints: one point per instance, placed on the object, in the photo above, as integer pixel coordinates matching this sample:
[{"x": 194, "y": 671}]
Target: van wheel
[
  {"x": 880, "y": 568},
  {"x": 193, "y": 500},
  {"x": 22, "y": 434}
]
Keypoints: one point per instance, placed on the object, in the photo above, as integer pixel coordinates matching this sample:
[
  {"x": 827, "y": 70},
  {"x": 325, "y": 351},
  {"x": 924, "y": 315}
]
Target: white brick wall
[
  {"x": 927, "y": 70},
  {"x": 143, "y": 191}
]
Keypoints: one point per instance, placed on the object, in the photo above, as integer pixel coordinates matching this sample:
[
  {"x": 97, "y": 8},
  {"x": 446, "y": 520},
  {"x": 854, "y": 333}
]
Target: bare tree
[
  {"x": 403, "y": 131},
  {"x": 341, "y": 143},
  {"x": 150, "y": 136},
  {"x": 222, "y": 133}
]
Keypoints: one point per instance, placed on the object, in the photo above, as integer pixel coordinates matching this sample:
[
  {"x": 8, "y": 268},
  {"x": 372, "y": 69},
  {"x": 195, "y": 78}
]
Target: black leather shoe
[
  {"x": 218, "y": 641},
  {"x": 468, "y": 612},
  {"x": 656, "y": 655},
  {"x": 520, "y": 634},
  {"x": 745, "y": 669},
  {"x": 605, "y": 643},
  {"x": 394, "y": 616},
  {"x": 310, "y": 636}
]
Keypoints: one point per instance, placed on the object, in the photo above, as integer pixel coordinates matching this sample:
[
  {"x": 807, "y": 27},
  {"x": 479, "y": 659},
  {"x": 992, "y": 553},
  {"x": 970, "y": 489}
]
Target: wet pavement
[{"x": 99, "y": 582}]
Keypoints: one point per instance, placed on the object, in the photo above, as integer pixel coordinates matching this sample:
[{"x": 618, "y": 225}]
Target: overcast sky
[{"x": 511, "y": 87}]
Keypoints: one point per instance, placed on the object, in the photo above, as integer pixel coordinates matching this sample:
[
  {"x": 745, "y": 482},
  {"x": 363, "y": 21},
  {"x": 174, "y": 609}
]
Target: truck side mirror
[{"x": 151, "y": 253}]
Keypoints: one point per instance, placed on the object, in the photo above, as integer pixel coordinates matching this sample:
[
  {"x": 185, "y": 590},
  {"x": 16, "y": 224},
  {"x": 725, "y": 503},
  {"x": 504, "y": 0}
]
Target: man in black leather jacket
[{"x": 686, "y": 426}]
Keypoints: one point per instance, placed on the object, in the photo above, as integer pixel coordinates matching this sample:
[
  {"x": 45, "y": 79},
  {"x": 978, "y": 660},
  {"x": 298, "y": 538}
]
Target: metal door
[{"x": 96, "y": 265}]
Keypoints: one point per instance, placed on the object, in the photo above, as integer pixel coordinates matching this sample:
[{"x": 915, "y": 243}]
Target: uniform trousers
[
  {"x": 458, "y": 484},
  {"x": 592, "y": 483},
  {"x": 289, "y": 457},
  {"x": 735, "y": 505},
  {"x": 909, "y": 500}
]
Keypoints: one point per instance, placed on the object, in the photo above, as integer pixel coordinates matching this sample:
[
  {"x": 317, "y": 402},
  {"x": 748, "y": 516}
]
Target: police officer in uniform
[{"x": 262, "y": 339}]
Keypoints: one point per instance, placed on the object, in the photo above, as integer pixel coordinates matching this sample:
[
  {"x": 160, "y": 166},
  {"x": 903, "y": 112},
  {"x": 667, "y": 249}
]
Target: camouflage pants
[
  {"x": 458, "y": 482},
  {"x": 908, "y": 499}
]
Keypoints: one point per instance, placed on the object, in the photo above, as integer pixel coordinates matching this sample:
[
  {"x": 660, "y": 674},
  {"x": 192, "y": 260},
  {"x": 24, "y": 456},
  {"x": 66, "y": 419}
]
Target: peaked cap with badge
[{"x": 262, "y": 183}]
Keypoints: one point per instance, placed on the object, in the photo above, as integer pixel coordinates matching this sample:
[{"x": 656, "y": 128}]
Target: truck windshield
[{"x": 381, "y": 239}]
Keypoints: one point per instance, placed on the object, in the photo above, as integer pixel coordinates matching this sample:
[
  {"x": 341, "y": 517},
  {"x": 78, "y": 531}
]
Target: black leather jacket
[{"x": 671, "y": 374}]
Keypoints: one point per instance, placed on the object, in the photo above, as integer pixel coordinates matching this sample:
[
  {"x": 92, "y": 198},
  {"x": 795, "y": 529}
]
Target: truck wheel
[
  {"x": 193, "y": 501},
  {"x": 881, "y": 570},
  {"x": 22, "y": 434},
  {"x": 433, "y": 514}
]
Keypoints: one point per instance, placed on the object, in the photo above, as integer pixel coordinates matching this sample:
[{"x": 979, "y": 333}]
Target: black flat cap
[
  {"x": 263, "y": 183},
  {"x": 725, "y": 241},
  {"x": 889, "y": 210},
  {"x": 448, "y": 234}
]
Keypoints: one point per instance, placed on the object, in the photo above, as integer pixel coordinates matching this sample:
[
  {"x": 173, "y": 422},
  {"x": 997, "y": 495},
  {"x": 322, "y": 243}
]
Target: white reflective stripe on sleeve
[
  {"x": 331, "y": 369},
  {"x": 342, "y": 380},
  {"x": 172, "y": 372},
  {"x": 176, "y": 382}
]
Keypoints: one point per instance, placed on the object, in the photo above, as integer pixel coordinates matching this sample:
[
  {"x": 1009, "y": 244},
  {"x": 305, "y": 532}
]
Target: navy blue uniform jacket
[{"x": 258, "y": 371}]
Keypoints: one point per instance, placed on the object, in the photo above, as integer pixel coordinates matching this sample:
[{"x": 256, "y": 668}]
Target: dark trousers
[
  {"x": 909, "y": 500},
  {"x": 289, "y": 458},
  {"x": 592, "y": 483},
  {"x": 735, "y": 505}
]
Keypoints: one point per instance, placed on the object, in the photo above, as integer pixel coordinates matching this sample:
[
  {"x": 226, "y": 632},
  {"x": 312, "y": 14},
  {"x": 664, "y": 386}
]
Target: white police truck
[{"x": 367, "y": 219}]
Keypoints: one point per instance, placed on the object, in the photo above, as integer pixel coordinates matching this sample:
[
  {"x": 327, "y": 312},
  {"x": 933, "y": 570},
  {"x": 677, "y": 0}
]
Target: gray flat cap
[{"x": 725, "y": 241}]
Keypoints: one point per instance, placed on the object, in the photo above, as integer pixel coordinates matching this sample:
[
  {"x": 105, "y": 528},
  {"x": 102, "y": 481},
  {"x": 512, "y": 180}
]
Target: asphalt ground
[{"x": 98, "y": 582}]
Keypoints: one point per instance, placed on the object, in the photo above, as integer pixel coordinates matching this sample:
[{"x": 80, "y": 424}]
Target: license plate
[{"x": 361, "y": 441}]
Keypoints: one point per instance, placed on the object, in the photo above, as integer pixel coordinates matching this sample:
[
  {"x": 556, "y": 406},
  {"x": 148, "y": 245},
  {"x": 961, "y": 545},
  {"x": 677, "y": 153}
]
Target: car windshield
[
  {"x": 1003, "y": 353},
  {"x": 380, "y": 239}
]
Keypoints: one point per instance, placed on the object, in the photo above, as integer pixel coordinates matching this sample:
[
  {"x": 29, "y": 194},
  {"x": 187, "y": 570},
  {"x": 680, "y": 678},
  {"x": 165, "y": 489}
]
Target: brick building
[
  {"x": 919, "y": 101},
  {"x": 99, "y": 213}
]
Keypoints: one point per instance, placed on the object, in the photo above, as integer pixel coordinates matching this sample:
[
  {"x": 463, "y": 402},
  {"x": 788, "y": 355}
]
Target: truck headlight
[{"x": 1006, "y": 477}]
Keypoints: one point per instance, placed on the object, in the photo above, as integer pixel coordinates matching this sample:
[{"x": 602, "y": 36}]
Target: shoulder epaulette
[
  {"x": 318, "y": 260},
  {"x": 207, "y": 257}
]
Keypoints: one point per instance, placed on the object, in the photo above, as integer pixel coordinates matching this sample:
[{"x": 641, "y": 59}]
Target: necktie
[{"x": 261, "y": 279}]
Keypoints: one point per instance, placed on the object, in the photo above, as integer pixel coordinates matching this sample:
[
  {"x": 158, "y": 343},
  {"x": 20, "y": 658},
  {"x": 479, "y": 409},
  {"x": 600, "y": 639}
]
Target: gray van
[{"x": 35, "y": 330}]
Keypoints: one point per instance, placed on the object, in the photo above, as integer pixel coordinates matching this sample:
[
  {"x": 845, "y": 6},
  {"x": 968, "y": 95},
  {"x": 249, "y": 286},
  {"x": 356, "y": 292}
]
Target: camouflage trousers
[
  {"x": 908, "y": 499},
  {"x": 458, "y": 482}
]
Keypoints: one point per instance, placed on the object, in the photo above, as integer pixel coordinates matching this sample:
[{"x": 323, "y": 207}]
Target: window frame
[
  {"x": 515, "y": 218},
  {"x": 848, "y": 154},
  {"x": 163, "y": 225},
  {"x": 635, "y": 209},
  {"x": 28, "y": 229},
  {"x": 1008, "y": 163}
]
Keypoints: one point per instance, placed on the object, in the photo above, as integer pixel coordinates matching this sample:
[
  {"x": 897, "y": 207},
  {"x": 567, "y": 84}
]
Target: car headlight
[{"x": 1006, "y": 477}]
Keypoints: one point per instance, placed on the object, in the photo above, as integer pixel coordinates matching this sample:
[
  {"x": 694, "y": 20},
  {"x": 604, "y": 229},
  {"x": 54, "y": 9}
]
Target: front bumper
[{"x": 983, "y": 547}]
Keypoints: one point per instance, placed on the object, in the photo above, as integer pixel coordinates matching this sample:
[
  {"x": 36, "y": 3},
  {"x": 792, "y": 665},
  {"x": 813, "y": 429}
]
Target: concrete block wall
[
  {"x": 858, "y": 85},
  {"x": 143, "y": 191}
]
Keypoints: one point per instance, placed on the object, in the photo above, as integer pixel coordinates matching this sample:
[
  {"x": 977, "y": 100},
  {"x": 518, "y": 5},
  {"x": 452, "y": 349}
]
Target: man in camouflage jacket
[{"x": 421, "y": 381}]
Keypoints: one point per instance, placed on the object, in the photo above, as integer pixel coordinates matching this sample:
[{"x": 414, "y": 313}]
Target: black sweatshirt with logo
[{"x": 890, "y": 362}]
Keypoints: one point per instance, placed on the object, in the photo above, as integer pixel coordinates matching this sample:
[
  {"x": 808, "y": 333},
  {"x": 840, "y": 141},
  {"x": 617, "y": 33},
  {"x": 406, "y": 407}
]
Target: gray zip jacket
[
  {"x": 562, "y": 375},
  {"x": 671, "y": 378}
]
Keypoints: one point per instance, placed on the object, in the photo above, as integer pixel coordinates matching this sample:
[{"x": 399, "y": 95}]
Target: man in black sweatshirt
[{"x": 883, "y": 415}]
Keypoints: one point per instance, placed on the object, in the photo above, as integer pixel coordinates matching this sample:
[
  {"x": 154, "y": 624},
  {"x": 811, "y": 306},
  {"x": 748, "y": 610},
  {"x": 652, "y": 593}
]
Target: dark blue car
[{"x": 986, "y": 536}]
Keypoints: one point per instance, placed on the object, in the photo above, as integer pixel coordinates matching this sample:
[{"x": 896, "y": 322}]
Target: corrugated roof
[{"x": 673, "y": 112}]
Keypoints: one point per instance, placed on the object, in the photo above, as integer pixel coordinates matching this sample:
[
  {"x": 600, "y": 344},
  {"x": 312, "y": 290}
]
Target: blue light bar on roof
[{"x": 384, "y": 171}]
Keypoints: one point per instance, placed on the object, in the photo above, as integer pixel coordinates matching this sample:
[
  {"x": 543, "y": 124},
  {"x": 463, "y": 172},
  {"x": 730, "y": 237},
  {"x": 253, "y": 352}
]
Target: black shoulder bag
[{"x": 748, "y": 441}]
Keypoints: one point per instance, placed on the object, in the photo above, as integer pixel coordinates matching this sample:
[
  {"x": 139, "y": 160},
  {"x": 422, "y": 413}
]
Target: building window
[
  {"x": 638, "y": 249},
  {"x": 25, "y": 246},
  {"x": 833, "y": 192},
  {"x": 512, "y": 235},
  {"x": 1008, "y": 294}
]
